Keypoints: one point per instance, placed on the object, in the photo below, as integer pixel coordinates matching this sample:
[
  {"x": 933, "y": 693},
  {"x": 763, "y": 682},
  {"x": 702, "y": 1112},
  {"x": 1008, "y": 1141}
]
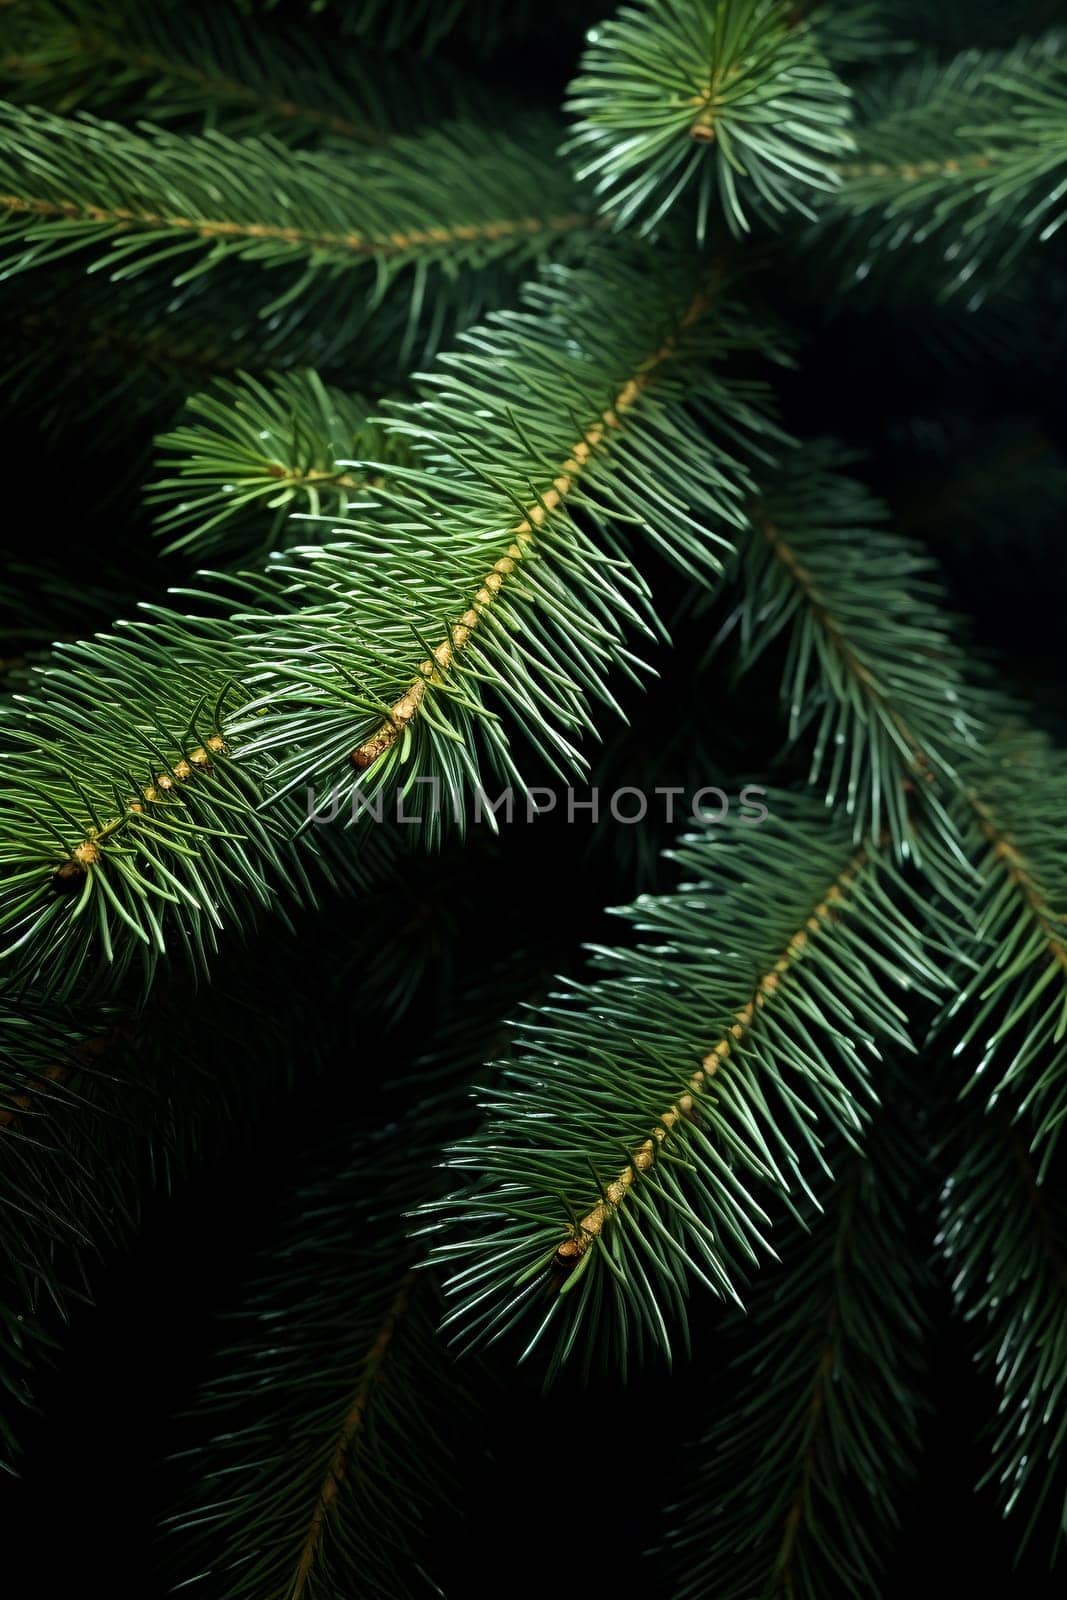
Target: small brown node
[
  {"x": 566, "y": 1257},
  {"x": 69, "y": 875},
  {"x": 67, "y": 878}
]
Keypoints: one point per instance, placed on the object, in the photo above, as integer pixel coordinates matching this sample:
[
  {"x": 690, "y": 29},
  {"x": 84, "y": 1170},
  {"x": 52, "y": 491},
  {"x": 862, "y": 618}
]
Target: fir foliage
[
  {"x": 334, "y": 1410},
  {"x": 1008, "y": 1018},
  {"x": 1003, "y": 1240},
  {"x": 822, "y": 1416},
  {"x": 602, "y": 372},
  {"x": 959, "y": 172},
  {"x": 731, "y": 103},
  {"x": 480, "y": 434},
  {"x": 423, "y": 208},
  {"x": 475, "y": 609},
  {"x": 874, "y": 665},
  {"x": 335, "y": 1413},
  {"x": 252, "y": 453},
  {"x": 653, "y": 1115}
]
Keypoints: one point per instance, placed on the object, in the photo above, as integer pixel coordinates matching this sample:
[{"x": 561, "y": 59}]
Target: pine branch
[
  {"x": 873, "y": 663},
  {"x": 139, "y": 765},
  {"x": 1007, "y": 1021},
  {"x": 92, "y": 859},
  {"x": 1003, "y": 1238},
  {"x": 731, "y": 101},
  {"x": 576, "y": 396},
  {"x": 578, "y": 461},
  {"x": 445, "y": 201},
  {"x": 791, "y": 1489},
  {"x": 959, "y": 173},
  {"x": 333, "y": 1410},
  {"x": 624, "y": 1151},
  {"x": 171, "y": 65},
  {"x": 256, "y": 453}
]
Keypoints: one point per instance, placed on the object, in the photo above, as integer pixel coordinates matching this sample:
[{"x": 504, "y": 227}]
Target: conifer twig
[
  {"x": 687, "y": 1105},
  {"x": 524, "y": 533}
]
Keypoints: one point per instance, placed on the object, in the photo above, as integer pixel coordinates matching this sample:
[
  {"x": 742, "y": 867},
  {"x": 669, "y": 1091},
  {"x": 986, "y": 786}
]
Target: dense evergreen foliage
[{"x": 507, "y": 464}]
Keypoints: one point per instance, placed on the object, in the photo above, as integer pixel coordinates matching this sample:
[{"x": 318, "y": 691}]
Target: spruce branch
[
  {"x": 960, "y": 171},
  {"x": 332, "y": 1409},
  {"x": 176, "y": 66},
  {"x": 254, "y": 453},
  {"x": 137, "y": 200},
  {"x": 1003, "y": 1239},
  {"x": 604, "y": 372},
  {"x": 479, "y": 581},
  {"x": 731, "y": 100},
  {"x": 873, "y": 661},
  {"x": 620, "y": 1159},
  {"x": 139, "y": 765},
  {"x": 1007, "y": 1021},
  {"x": 333, "y": 1418},
  {"x": 642, "y": 1159},
  {"x": 580, "y": 457},
  {"x": 791, "y": 1489}
]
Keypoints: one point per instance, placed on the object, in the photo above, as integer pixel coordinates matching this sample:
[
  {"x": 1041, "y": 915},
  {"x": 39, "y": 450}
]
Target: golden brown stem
[
  {"x": 592, "y": 1224},
  {"x": 318, "y": 478},
  {"x": 1020, "y": 875},
  {"x": 708, "y": 102},
  {"x": 828, "y": 622},
  {"x": 353, "y": 1421},
  {"x": 523, "y": 535},
  {"x": 87, "y": 853},
  {"x": 354, "y": 243},
  {"x": 912, "y": 171}
]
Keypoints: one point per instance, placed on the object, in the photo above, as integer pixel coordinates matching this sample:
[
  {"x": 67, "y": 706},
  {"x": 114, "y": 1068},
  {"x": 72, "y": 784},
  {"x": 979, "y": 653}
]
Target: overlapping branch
[{"x": 620, "y": 1159}]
